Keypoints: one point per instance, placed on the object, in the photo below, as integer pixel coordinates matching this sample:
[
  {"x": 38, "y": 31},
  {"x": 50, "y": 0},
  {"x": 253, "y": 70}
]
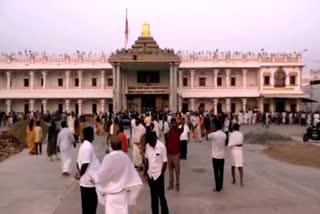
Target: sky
[{"x": 59, "y": 26}]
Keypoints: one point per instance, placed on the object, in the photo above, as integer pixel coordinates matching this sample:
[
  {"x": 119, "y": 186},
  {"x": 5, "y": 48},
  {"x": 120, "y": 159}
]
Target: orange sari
[
  {"x": 124, "y": 142},
  {"x": 31, "y": 140}
]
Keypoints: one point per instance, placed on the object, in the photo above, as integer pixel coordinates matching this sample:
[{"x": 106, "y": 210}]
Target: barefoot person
[
  {"x": 65, "y": 143},
  {"x": 118, "y": 183},
  {"x": 235, "y": 143}
]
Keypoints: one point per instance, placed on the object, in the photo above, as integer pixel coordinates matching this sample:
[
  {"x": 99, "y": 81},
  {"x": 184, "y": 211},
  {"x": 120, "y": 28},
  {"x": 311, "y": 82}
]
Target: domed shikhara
[{"x": 145, "y": 49}]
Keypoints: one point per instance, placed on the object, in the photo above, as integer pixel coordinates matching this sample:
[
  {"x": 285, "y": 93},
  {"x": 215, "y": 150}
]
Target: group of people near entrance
[{"x": 116, "y": 181}]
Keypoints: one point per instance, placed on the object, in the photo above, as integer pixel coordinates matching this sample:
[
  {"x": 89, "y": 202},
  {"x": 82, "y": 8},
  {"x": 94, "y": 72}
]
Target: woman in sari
[
  {"x": 31, "y": 137},
  {"x": 52, "y": 141}
]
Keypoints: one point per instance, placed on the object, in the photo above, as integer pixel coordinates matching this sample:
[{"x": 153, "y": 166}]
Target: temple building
[{"x": 148, "y": 77}]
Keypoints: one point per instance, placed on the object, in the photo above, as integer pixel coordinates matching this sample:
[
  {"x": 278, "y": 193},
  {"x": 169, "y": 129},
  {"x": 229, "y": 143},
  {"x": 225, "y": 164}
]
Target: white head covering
[{"x": 117, "y": 174}]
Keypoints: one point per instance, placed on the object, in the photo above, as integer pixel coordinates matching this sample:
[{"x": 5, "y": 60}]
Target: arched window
[{"x": 280, "y": 78}]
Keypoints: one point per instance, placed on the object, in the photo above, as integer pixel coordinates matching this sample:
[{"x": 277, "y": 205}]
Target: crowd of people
[{"x": 158, "y": 141}]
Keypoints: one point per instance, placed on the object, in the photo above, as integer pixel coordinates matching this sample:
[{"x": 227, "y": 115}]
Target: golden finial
[{"x": 145, "y": 30}]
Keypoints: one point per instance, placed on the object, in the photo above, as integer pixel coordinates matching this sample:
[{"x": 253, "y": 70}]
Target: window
[
  {"x": 219, "y": 81},
  {"x": 76, "y": 82},
  {"x": 94, "y": 82},
  {"x": 148, "y": 76},
  {"x": 26, "y": 82},
  {"x": 41, "y": 82},
  {"x": 292, "y": 80},
  {"x": 233, "y": 107},
  {"x": 233, "y": 81},
  {"x": 60, "y": 82},
  {"x": 185, "y": 81},
  {"x": 110, "y": 82},
  {"x": 202, "y": 81},
  {"x": 266, "y": 80}
]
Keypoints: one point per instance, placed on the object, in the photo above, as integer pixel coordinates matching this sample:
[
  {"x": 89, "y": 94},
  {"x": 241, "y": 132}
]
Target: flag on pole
[{"x": 126, "y": 32}]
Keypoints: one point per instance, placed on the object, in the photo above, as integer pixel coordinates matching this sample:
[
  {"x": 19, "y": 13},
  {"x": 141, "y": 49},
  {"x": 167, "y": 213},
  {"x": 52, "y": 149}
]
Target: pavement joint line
[{"x": 67, "y": 192}]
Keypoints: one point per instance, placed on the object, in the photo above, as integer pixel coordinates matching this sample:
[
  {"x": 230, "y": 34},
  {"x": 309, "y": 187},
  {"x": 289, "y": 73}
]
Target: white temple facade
[{"x": 148, "y": 77}]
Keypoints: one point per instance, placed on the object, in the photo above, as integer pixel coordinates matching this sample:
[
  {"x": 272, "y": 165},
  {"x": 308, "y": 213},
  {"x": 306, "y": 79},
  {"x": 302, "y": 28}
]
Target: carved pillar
[
  {"x": 67, "y": 103},
  {"x": 44, "y": 104},
  {"x": 227, "y": 78},
  {"x": 31, "y": 105},
  {"x": 79, "y": 106},
  {"x": 287, "y": 105},
  {"x": 114, "y": 89},
  {"x": 8, "y": 73},
  {"x": 31, "y": 73},
  {"x": 215, "y": 77},
  {"x": 8, "y": 103},
  {"x": 272, "y": 105},
  {"x": 192, "y": 104},
  {"x": 68, "y": 79},
  {"x": 103, "y": 73},
  {"x": 80, "y": 74},
  {"x": 215, "y": 106},
  {"x": 287, "y": 79},
  {"x": 180, "y": 78},
  {"x": 244, "y": 104},
  {"x": 244, "y": 77},
  {"x": 171, "y": 104},
  {"x": 192, "y": 78},
  {"x": 102, "y": 105},
  {"x": 298, "y": 105},
  {"x": 272, "y": 78},
  {"x": 261, "y": 104},
  {"x": 228, "y": 101},
  {"x": 175, "y": 83},
  {"x": 44, "y": 77},
  {"x": 118, "y": 98},
  {"x": 179, "y": 104}
]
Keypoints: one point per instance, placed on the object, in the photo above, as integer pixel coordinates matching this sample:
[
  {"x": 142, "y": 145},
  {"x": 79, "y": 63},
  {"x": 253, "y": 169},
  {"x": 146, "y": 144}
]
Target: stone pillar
[
  {"x": 80, "y": 106},
  {"x": 192, "y": 78},
  {"x": 272, "y": 105},
  {"x": 180, "y": 104},
  {"x": 244, "y": 77},
  {"x": 67, "y": 103},
  {"x": 287, "y": 79},
  {"x": 215, "y": 106},
  {"x": 31, "y": 73},
  {"x": 80, "y": 74},
  {"x": 118, "y": 97},
  {"x": 287, "y": 105},
  {"x": 44, "y": 77},
  {"x": 180, "y": 78},
  {"x": 31, "y": 106},
  {"x": 272, "y": 79},
  {"x": 68, "y": 79},
  {"x": 244, "y": 104},
  {"x": 123, "y": 91},
  {"x": 8, "y": 103},
  {"x": 215, "y": 77},
  {"x": 298, "y": 105},
  {"x": 171, "y": 104},
  {"x": 8, "y": 73},
  {"x": 102, "y": 105},
  {"x": 114, "y": 76},
  {"x": 192, "y": 104},
  {"x": 227, "y": 78},
  {"x": 228, "y": 101},
  {"x": 44, "y": 104},
  {"x": 175, "y": 83},
  {"x": 103, "y": 73},
  {"x": 261, "y": 104}
]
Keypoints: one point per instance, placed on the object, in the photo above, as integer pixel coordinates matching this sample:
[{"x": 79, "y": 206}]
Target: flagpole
[{"x": 126, "y": 32}]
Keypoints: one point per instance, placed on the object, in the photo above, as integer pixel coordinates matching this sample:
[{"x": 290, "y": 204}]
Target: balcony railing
[{"x": 148, "y": 90}]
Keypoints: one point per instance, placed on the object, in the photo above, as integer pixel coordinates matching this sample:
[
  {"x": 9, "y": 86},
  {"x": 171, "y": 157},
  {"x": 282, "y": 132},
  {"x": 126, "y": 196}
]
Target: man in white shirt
[
  {"x": 218, "y": 139},
  {"x": 65, "y": 142},
  {"x": 137, "y": 132},
  {"x": 118, "y": 183},
  {"x": 156, "y": 164},
  {"x": 235, "y": 143},
  {"x": 184, "y": 137},
  {"x": 88, "y": 166}
]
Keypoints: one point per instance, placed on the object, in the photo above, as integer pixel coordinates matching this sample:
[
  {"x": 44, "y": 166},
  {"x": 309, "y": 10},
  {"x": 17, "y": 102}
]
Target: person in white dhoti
[
  {"x": 235, "y": 143},
  {"x": 137, "y": 132},
  {"x": 118, "y": 183},
  {"x": 65, "y": 143}
]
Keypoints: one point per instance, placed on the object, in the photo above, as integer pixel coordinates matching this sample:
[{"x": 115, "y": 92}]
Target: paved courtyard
[{"x": 31, "y": 184}]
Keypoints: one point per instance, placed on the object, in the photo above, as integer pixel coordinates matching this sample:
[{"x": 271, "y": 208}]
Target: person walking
[
  {"x": 218, "y": 139},
  {"x": 52, "y": 140}
]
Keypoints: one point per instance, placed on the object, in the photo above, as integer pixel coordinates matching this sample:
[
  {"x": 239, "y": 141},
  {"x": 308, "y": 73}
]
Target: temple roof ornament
[{"x": 145, "y": 30}]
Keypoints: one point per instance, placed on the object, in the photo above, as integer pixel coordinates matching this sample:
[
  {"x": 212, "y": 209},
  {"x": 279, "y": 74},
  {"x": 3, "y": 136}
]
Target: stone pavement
[{"x": 31, "y": 184}]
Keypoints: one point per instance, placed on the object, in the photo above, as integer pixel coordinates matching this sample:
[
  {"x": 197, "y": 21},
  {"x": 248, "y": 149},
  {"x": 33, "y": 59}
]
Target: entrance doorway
[
  {"x": 280, "y": 106},
  {"x": 185, "y": 107},
  {"x": 26, "y": 108},
  {"x": 148, "y": 102}
]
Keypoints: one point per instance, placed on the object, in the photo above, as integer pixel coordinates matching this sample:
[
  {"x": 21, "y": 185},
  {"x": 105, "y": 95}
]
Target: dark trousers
[
  {"x": 89, "y": 200},
  {"x": 157, "y": 193},
  {"x": 183, "y": 149},
  {"x": 38, "y": 146},
  {"x": 218, "y": 167},
  {"x": 227, "y": 139},
  {"x": 166, "y": 138}
]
